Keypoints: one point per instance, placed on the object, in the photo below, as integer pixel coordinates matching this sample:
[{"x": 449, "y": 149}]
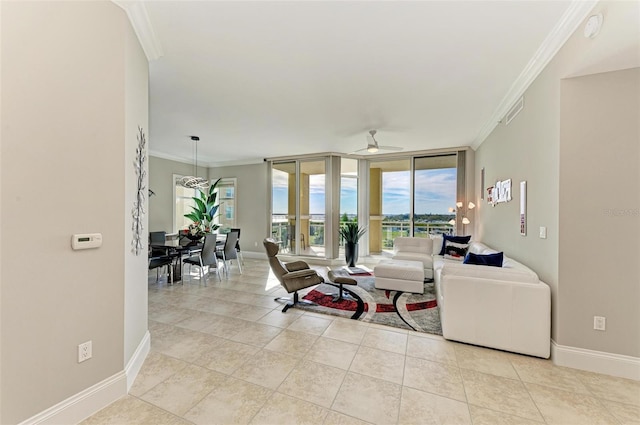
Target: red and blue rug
[{"x": 399, "y": 309}]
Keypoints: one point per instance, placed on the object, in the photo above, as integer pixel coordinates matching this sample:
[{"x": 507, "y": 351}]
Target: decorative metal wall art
[{"x": 138, "y": 211}]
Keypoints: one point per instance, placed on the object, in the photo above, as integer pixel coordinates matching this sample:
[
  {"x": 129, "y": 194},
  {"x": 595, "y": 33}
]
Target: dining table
[{"x": 177, "y": 249}]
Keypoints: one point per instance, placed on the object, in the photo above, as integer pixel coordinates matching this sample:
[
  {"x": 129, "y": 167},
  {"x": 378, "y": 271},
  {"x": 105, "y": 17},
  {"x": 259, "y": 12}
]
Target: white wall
[
  {"x": 529, "y": 149},
  {"x": 65, "y": 150}
]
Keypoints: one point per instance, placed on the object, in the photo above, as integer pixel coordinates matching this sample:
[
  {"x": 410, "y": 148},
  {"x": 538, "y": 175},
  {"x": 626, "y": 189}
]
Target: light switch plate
[{"x": 543, "y": 232}]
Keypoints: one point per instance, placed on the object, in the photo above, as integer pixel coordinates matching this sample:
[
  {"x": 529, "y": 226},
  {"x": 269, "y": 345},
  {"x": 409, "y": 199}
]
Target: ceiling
[{"x": 269, "y": 79}]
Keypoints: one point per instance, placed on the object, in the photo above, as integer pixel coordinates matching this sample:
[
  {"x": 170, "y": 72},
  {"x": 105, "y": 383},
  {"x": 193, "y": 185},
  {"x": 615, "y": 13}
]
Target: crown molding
[
  {"x": 139, "y": 18},
  {"x": 566, "y": 26}
]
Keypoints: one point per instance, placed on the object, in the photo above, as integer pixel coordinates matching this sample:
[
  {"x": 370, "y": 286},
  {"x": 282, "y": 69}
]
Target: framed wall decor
[{"x": 523, "y": 208}]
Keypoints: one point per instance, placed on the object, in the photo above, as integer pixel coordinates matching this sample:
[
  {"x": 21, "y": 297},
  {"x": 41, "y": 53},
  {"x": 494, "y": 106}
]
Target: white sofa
[
  {"x": 506, "y": 307},
  {"x": 415, "y": 249}
]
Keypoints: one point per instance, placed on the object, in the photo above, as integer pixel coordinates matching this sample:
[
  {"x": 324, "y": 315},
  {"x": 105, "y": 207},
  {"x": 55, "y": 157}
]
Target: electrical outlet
[
  {"x": 599, "y": 323},
  {"x": 84, "y": 351},
  {"x": 255, "y": 243}
]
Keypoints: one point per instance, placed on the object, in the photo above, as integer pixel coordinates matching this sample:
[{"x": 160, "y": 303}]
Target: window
[
  {"x": 227, "y": 200},
  {"x": 183, "y": 204}
]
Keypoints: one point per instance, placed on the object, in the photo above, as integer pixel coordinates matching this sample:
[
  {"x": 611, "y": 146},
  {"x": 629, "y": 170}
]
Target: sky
[{"x": 435, "y": 192}]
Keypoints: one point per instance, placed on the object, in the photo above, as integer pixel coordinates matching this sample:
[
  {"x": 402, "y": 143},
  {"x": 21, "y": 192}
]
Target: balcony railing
[{"x": 282, "y": 231}]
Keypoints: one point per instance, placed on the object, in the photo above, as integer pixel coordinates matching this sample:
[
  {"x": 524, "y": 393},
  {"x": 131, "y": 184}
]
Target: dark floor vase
[{"x": 351, "y": 253}]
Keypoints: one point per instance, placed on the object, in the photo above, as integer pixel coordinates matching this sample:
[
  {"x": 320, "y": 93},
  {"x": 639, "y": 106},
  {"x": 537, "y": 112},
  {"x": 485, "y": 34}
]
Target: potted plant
[
  {"x": 351, "y": 234},
  {"x": 203, "y": 214}
]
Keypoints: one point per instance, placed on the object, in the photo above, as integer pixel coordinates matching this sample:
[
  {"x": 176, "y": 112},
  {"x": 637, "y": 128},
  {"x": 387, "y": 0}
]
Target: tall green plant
[
  {"x": 350, "y": 232},
  {"x": 205, "y": 209}
]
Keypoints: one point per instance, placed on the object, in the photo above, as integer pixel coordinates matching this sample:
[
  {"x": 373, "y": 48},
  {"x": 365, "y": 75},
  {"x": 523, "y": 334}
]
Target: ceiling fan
[{"x": 373, "y": 146}]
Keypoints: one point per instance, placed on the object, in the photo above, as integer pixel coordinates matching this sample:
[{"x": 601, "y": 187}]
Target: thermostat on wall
[{"x": 86, "y": 241}]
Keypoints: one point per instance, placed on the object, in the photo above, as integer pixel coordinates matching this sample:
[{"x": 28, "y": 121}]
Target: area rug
[{"x": 399, "y": 309}]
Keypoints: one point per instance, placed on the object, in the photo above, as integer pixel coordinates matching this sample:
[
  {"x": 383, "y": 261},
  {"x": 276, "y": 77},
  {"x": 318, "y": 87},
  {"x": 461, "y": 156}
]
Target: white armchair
[{"x": 415, "y": 249}]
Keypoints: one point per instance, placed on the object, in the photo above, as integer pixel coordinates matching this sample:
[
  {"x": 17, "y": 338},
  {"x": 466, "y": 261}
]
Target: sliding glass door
[{"x": 298, "y": 206}]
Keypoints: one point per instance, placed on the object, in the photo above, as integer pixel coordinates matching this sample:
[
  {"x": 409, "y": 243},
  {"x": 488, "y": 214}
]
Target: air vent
[{"x": 515, "y": 110}]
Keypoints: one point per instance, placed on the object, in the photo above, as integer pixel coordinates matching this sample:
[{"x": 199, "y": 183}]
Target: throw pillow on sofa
[
  {"x": 455, "y": 251},
  {"x": 494, "y": 260},
  {"x": 456, "y": 239}
]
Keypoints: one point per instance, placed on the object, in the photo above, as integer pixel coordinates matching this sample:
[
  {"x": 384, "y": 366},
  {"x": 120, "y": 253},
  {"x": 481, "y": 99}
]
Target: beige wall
[
  {"x": 65, "y": 132},
  {"x": 529, "y": 149},
  {"x": 252, "y": 197},
  {"x": 600, "y": 211},
  {"x": 161, "y": 204},
  {"x": 252, "y": 202},
  {"x": 136, "y": 115}
]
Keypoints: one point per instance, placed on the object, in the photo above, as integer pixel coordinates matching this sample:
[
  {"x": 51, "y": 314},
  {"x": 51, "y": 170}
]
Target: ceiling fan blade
[
  {"x": 390, "y": 148},
  {"x": 359, "y": 150}
]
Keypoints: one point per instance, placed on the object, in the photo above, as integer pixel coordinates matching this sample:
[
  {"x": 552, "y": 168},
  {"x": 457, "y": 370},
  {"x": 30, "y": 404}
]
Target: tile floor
[{"x": 224, "y": 353}]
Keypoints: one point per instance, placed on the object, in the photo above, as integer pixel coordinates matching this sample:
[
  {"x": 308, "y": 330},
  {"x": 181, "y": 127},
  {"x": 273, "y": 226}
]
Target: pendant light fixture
[{"x": 195, "y": 182}]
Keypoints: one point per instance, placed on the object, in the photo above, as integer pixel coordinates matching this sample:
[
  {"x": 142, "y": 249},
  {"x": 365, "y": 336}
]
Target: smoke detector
[{"x": 593, "y": 25}]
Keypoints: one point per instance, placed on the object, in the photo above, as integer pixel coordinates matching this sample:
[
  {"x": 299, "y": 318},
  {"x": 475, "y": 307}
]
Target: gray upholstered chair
[
  {"x": 228, "y": 251},
  {"x": 207, "y": 257},
  {"x": 292, "y": 276}
]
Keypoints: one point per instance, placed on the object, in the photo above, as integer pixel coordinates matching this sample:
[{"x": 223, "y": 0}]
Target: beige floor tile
[
  {"x": 256, "y": 334},
  {"x": 500, "y": 394},
  {"x": 421, "y": 408},
  {"x": 434, "y": 377},
  {"x": 227, "y": 357},
  {"x": 313, "y": 382},
  {"x": 191, "y": 346},
  {"x": 310, "y": 324},
  {"x": 544, "y": 372},
  {"x": 250, "y": 312},
  {"x": 132, "y": 411},
  {"x": 283, "y": 409},
  {"x": 485, "y": 360},
  {"x": 562, "y": 407},
  {"x": 184, "y": 389},
  {"x": 335, "y": 418},
  {"x": 332, "y": 352},
  {"x": 612, "y": 388},
  {"x": 235, "y": 402},
  {"x": 278, "y": 318},
  {"x": 370, "y": 399},
  {"x": 293, "y": 343},
  {"x": 387, "y": 340},
  {"x": 156, "y": 368},
  {"x": 627, "y": 414},
  {"x": 225, "y": 327},
  {"x": 378, "y": 364},
  {"x": 482, "y": 416},
  {"x": 432, "y": 349},
  {"x": 267, "y": 368},
  {"x": 197, "y": 321},
  {"x": 346, "y": 330}
]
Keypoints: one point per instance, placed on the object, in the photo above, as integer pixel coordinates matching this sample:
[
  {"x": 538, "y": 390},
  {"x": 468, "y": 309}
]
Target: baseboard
[
  {"x": 596, "y": 361},
  {"x": 137, "y": 359},
  {"x": 85, "y": 403},
  {"x": 256, "y": 255}
]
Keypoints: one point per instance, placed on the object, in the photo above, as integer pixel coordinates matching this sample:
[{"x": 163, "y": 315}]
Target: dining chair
[
  {"x": 238, "y": 250},
  {"x": 206, "y": 257},
  {"x": 228, "y": 251},
  {"x": 157, "y": 238},
  {"x": 161, "y": 261}
]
